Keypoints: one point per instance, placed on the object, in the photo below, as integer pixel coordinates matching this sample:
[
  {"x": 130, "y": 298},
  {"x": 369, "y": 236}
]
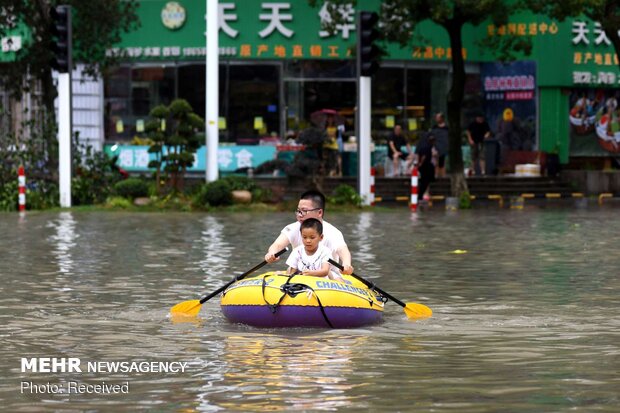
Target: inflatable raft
[{"x": 277, "y": 300}]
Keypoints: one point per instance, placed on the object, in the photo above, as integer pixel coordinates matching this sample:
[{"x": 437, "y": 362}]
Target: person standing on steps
[
  {"x": 440, "y": 131},
  {"x": 477, "y": 132}
]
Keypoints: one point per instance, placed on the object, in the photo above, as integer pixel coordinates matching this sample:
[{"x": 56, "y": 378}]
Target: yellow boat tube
[{"x": 275, "y": 299}]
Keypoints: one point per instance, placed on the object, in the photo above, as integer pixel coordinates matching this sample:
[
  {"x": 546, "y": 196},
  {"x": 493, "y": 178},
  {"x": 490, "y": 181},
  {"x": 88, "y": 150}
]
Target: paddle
[
  {"x": 413, "y": 310},
  {"x": 191, "y": 308}
]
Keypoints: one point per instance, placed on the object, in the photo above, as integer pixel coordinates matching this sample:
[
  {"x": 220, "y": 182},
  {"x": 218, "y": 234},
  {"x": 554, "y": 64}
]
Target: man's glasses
[{"x": 304, "y": 212}]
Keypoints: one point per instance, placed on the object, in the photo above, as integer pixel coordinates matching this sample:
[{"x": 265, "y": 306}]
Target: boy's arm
[{"x": 318, "y": 273}]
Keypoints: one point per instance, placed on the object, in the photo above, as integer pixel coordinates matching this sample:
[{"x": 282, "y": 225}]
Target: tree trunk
[{"x": 458, "y": 183}]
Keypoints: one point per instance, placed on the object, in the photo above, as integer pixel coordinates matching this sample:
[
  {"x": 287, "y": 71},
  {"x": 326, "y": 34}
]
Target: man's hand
[
  {"x": 347, "y": 269},
  {"x": 269, "y": 257}
]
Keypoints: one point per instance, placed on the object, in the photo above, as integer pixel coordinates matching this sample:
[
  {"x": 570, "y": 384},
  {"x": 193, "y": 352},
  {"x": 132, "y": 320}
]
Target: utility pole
[{"x": 212, "y": 89}]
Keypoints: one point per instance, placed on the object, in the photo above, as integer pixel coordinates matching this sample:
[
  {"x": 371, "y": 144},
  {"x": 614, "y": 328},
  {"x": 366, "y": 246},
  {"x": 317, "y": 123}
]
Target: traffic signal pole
[
  {"x": 62, "y": 62},
  {"x": 367, "y": 54}
]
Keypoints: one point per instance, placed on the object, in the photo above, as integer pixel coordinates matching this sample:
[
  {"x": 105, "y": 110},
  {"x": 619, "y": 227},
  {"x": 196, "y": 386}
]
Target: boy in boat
[
  {"x": 312, "y": 205},
  {"x": 311, "y": 257}
]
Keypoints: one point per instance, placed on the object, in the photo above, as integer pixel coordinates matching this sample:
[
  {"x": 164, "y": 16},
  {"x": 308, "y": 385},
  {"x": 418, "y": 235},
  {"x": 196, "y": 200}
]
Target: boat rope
[{"x": 292, "y": 290}]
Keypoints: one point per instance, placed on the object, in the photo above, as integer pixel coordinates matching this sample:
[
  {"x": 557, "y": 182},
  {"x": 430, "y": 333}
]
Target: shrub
[
  {"x": 240, "y": 183},
  {"x": 465, "y": 201},
  {"x": 95, "y": 174},
  {"x": 118, "y": 202},
  {"x": 8, "y": 196},
  {"x": 345, "y": 195},
  {"x": 131, "y": 188},
  {"x": 216, "y": 193}
]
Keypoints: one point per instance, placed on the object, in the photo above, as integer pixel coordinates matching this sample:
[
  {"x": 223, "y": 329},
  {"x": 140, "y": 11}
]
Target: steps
[{"x": 396, "y": 189}]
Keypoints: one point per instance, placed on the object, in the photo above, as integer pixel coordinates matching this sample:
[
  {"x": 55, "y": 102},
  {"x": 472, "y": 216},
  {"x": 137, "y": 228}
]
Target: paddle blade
[
  {"x": 189, "y": 308},
  {"x": 415, "y": 310}
]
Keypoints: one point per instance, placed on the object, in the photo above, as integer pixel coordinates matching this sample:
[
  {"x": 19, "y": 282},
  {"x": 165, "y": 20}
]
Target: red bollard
[
  {"x": 21, "y": 179},
  {"x": 413, "y": 205}
]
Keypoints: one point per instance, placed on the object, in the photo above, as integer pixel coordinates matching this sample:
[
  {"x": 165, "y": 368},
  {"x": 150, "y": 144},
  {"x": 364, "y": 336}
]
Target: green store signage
[{"x": 571, "y": 53}]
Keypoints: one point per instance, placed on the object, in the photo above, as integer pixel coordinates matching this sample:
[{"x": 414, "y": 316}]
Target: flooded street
[{"x": 525, "y": 313}]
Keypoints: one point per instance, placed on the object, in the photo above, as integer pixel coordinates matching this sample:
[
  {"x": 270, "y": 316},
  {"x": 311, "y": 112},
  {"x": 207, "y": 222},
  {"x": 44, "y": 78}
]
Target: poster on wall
[
  {"x": 510, "y": 103},
  {"x": 594, "y": 122}
]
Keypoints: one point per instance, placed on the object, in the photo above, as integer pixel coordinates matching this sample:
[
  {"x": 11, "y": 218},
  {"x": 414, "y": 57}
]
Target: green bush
[
  {"x": 345, "y": 195},
  {"x": 44, "y": 195},
  {"x": 8, "y": 196},
  {"x": 131, "y": 188},
  {"x": 94, "y": 174},
  {"x": 216, "y": 193},
  {"x": 237, "y": 183},
  {"x": 118, "y": 202},
  {"x": 465, "y": 201}
]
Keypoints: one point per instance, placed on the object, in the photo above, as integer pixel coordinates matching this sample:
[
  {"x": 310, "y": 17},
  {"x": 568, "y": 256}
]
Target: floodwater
[{"x": 525, "y": 314}]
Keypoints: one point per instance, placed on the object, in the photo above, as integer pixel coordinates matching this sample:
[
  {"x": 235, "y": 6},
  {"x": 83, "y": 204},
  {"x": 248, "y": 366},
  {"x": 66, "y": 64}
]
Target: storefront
[{"x": 278, "y": 66}]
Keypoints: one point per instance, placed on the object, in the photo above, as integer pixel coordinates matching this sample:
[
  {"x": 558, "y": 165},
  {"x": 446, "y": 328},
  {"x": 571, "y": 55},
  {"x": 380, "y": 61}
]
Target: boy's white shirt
[
  {"x": 332, "y": 240},
  {"x": 300, "y": 259}
]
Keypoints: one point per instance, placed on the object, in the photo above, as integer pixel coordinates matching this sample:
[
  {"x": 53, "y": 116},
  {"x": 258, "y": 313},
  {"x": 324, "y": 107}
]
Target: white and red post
[
  {"x": 21, "y": 180},
  {"x": 372, "y": 186},
  {"x": 413, "y": 205}
]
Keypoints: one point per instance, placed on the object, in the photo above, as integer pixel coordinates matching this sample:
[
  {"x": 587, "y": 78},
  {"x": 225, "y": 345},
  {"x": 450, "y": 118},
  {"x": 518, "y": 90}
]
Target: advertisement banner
[
  {"x": 136, "y": 158},
  {"x": 510, "y": 103},
  {"x": 594, "y": 122}
]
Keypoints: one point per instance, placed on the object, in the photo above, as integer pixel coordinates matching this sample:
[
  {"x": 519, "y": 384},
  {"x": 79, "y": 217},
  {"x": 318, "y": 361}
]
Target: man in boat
[{"x": 312, "y": 205}]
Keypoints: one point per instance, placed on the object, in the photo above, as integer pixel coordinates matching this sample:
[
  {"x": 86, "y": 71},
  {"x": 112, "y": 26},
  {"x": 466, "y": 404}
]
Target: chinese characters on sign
[
  {"x": 523, "y": 29},
  {"x": 137, "y": 158},
  {"x": 592, "y": 35},
  {"x": 515, "y": 87}
]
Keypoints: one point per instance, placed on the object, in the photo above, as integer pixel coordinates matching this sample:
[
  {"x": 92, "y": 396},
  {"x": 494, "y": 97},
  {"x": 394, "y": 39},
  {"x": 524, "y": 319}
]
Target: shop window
[
  {"x": 388, "y": 101},
  {"x": 306, "y": 97},
  {"x": 130, "y": 94},
  {"x": 252, "y": 109}
]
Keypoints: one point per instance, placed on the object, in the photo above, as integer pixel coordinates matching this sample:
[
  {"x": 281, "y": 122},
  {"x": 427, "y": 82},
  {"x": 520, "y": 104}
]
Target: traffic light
[
  {"x": 61, "y": 38},
  {"x": 367, "y": 52}
]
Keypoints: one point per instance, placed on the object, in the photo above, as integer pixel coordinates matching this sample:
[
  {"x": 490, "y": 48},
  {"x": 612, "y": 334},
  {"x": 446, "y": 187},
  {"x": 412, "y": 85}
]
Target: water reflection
[
  {"x": 364, "y": 244},
  {"x": 525, "y": 321},
  {"x": 64, "y": 240},
  {"x": 215, "y": 249},
  {"x": 274, "y": 372}
]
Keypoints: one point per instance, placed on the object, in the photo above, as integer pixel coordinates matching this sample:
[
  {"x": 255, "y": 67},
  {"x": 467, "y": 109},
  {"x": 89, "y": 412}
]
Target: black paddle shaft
[
  {"x": 240, "y": 277},
  {"x": 369, "y": 284}
]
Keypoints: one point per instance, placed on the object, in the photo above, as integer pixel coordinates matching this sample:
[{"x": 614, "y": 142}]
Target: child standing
[{"x": 311, "y": 257}]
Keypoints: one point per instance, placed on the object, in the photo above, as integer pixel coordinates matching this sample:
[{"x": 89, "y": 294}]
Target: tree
[
  {"x": 173, "y": 130},
  {"x": 605, "y": 12},
  {"x": 398, "y": 21},
  {"x": 97, "y": 26}
]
